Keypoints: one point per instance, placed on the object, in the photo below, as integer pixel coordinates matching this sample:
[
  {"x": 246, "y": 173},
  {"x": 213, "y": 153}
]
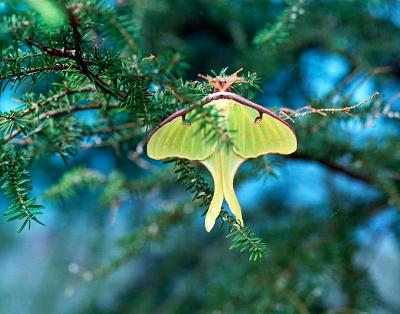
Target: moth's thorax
[{"x": 222, "y": 105}]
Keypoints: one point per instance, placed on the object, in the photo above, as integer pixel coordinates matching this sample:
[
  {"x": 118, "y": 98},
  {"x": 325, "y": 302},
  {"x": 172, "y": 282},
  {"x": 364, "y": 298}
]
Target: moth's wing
[
  {"x": 253, "y": 137},
  {"x": 177, "y": 138}
]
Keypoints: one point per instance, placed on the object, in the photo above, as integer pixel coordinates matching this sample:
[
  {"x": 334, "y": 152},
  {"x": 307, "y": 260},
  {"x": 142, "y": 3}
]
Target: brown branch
[
  {"x": 76, "y": 55},
  {"x": 81, "y": 62},
  {"x": 122, "y": 127},
  {"x": 58, "y": 112},
  {"x": 20, "y": 58},
  {"x": 352, "y": 75},
  {"x": 32, "y": 71},
  {"x": 106, "y": 143},
  {"x": 54, "y": 52},
  {"x": 335, "y": 167},
  {"x": 135, "y": 156}
]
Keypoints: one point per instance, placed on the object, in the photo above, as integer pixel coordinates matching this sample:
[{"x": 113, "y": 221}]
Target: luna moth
[{"x": 252, "y": 129}]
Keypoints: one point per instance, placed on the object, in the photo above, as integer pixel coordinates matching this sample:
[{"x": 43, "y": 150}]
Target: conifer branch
[
  {"x": 244, "y": 239},
  {"x": 63, "y": 111},
  {"x": 109, "y": 15},
  {"x": 15, "y": 180},
  {"x": 37, "y": 70},
  {"x": 56, "y": 97},
  {"x": 72, "y": 182},
  {"x": 277, "y": 32}
]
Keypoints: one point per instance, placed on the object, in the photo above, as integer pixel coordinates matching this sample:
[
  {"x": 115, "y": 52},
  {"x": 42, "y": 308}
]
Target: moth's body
[
  {"x": 251, "y": 129},
  {"x": 223, "y": 106}
]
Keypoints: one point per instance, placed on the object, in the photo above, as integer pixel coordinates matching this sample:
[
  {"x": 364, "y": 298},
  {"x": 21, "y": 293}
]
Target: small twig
[
  {"x": 287, "y": 113},
  {"x": 56, "y": 97}
]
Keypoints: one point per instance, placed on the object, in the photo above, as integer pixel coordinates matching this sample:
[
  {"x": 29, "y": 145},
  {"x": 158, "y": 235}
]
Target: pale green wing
[
  {"x": 177, "y": 138},
  {"x": 253, "y": 137},
  {"x": 223, "y": 165}
]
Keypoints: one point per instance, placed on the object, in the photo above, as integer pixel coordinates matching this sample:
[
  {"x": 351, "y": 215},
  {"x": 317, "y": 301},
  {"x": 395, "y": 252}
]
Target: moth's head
[{"x": 223, "y": 83}]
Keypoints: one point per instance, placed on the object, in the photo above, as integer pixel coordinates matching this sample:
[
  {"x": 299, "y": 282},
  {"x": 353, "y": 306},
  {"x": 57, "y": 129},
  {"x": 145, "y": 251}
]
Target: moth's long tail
[
  {"x": 216, "y": 203},
  {"x": 223, "y": 165},
  {"x": 230, "y": 164},
  {"x": 232, "y": 200}
]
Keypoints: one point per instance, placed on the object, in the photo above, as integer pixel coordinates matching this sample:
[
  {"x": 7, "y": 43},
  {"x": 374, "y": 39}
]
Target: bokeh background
[{"x": 333, "y": 237}]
